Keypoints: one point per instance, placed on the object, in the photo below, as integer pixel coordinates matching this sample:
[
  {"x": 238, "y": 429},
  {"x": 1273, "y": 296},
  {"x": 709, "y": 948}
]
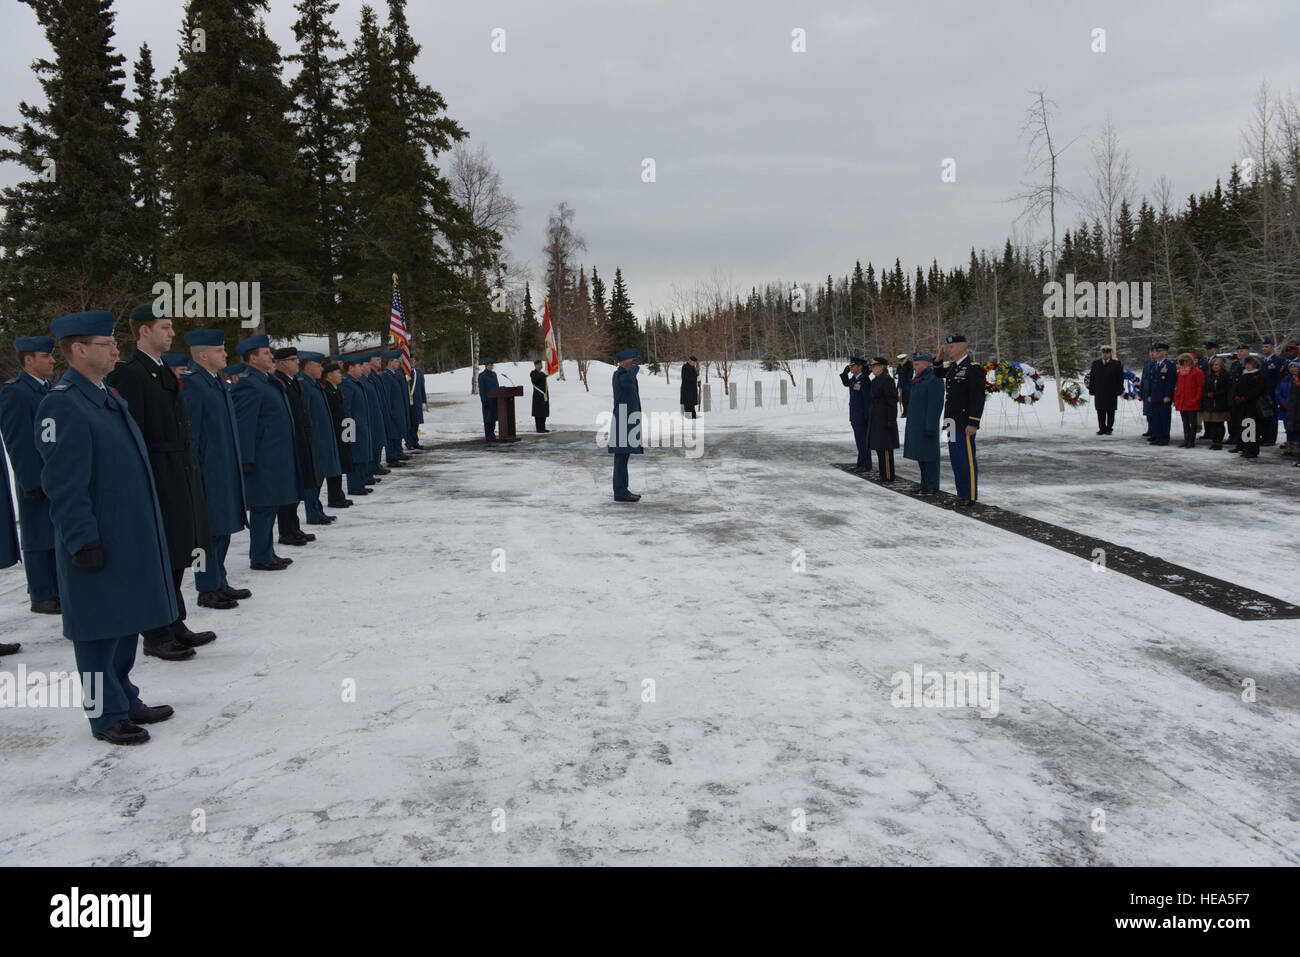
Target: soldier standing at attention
[
  {"x": 18, "y": 401},
  {"x": 397, "y": 407},
  {"x": 1160, "y": 394},
  {"x": 882, "y": 425},
  {"x": 267, "y": 459},
  {"x": 487, "y": 382},
  {"x": 356, "y": 425},
  {"x": 1144, "y": 390},
  {"x": 418, "y": 398},
  {"x": 541, "y": 395},
  {"x": 331, "y": 377},
  {"x": 963, "y": 407},
  {"x": 378, "y": 426},
  {"x": 1105, "y": 383},
  {"x": 322, "y": 434},
  {"x": 153, "y": 397},
  {"x": 921, "y": 441},
  {"x": 859, "y": 409},
  {"x": 625, "y": 432},
  {"x": 304, "y": 450},
  {"x": 216, "y": 446},
  {"x": 111, "y": 545}
]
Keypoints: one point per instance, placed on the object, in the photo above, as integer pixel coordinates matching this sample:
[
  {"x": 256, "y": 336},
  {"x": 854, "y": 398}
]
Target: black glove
[
  {"x": 248, "y": 468},
  {"x": 34, "y": 495},
  {"x": 91, "y": 558},
  {"x": 847, "y": 368}
]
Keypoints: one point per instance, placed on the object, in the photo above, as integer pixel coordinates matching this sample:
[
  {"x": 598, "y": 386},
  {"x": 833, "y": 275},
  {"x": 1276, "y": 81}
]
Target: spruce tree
[
  {"x": 65, "y": 231},
  {"x": 148, "y": 146},
  {"x": 530, "y": 335},
  {"x": 622, "y": 322},
  {"x": 232, "y": 169}
]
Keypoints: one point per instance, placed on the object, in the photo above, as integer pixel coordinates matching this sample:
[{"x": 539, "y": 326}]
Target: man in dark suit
[
  {"x": 690, "y": 391},
  {"x": 267, "y": 459},
  {"x": 216, "y": 446},
  {"x": 330, "y": 379},
  {"x": 541, "y": 395},
  {"x": 1105, "y": 384},
  {"x": 153, "y": 397},
  {"x": 111, "y": 542},
  {"x": 304, "y": 449},
  {"x": 18, "y": 401}
]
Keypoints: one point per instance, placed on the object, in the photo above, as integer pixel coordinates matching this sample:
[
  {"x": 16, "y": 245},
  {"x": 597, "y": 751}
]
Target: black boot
[
  {"x": 124, "y": 732},
  {"x": 51, "y": 606}
]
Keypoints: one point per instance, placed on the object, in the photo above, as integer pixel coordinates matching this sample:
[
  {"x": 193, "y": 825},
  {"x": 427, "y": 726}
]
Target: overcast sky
[{"x": 775, "y": 164}]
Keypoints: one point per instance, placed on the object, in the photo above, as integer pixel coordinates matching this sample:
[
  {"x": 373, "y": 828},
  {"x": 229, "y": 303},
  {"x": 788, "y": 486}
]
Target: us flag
[{"x": 397, "y": 326}]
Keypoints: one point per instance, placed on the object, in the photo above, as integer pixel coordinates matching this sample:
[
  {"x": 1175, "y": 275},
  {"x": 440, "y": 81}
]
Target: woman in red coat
[{"x": 1187, "y": 397}]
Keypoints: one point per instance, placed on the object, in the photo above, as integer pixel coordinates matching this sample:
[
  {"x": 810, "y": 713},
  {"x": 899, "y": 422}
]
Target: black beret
[
  {"x": 285, "y": 352},
  {"x": 957, "y": 338}
]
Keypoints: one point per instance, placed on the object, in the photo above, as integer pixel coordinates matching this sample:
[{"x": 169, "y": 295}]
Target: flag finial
[{"x": 394, "y": 279}]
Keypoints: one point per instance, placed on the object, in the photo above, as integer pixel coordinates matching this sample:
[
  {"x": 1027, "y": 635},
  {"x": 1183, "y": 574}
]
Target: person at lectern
[{"x": 487, "y": 382}]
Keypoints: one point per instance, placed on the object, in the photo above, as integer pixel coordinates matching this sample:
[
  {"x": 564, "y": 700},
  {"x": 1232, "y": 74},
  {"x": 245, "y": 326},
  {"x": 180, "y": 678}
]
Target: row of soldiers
[{"x": 128, "y": 474}]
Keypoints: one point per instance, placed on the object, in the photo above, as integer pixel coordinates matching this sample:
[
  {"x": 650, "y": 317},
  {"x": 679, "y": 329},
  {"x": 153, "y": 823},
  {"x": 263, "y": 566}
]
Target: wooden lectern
[{"x": 505, "y": 396}]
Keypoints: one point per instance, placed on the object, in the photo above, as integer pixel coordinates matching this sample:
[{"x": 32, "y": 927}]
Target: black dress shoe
[
  {"x": 51, "y": 606},
  {"x": 124, "y": 732},
  {"x": 323, "y": 520},
  {"x": 9, "y": 649},
  {"x": 397, "y": 465},
  {"x": 191, "y": 639},
  {"x": 631, "y": 497},
  {"x": 373, "y": 481},
  {"x": 169, "y": 650},
  {"x": 360, "y": 491},
  {"x": 285, "y": 562},
  {"x": 382, "y": 471},
  {"x": 214, "y": 599},
  {"x": 302, "y": 538},
  {"x": 276, "y": 566},
  {"x": 965, "y": 502},
  {"x": 928, "y": 492},
  {"x": 238, "y": 594},
  {"x": 345, "y": 503},
  {"x": 154, "y": 715}
]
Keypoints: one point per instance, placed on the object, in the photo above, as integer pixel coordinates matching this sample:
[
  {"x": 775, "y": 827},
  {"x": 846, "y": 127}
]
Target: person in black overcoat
[
  {"x": 541, "y": 396},
  {"x": 1251, "y": 405},
  {"x": 882, "y": 418},
  {"x": 1105, "y": 385},
  {"x": 304, "y": 446},
  {"x": 331, "y": 377},
  {"x": 153, "y": 397},
  {"x": 690, "y": 393}
]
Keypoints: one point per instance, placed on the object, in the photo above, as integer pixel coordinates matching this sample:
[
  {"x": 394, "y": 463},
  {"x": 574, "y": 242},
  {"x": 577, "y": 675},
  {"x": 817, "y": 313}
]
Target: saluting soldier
[
  {"x": 322, "y": 434},
  {"x": 397, "y": 407},
  {"x": 375, "y": 397},
  {"x": 111, "y": 544},
  {"x": 854, "y": 379},
  {"x": 304, "y": 449},
  {"x": 18, "y": 401},
  {"x": 1160, "y": 394},
  {"x": 882, "y": 422},
  {"x": 963, "y": 408},
  {"x": 541, "y": 395},
  {"x": 153, "y": 397},
  {"x": 215, "y": 432},
  {"x": 267, "y": 459},
  {"x": 487, "y": 382},
  {"x": 356, "y": 425},
  {"x": 331, "y": 377},
  {"x": 921, "y": 441},
  {"x": 625, "y": 431},
  {"x": 9, "y": 550}
]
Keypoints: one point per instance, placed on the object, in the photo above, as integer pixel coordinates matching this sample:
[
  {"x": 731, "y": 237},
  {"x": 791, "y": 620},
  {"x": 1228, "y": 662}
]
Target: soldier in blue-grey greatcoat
[
  {"x": 625, "y": 429},
  {"x": 924, "y": 412},
  {"x": 266, "y": 437},
  {"x": 322, "y": 433},
  {"x": 375, "y": 399},
  {"x": 397, "y": 406},
  {"x": 356, "y": 427},
  {"x": 115, "y": 574},
  {"x": 18, "y": 401},
  {"x": 487, "y": 382}
]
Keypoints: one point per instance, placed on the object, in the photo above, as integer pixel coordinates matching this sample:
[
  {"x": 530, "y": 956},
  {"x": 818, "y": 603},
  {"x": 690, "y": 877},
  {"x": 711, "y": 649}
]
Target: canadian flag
[{"x": 548, "y": 334}]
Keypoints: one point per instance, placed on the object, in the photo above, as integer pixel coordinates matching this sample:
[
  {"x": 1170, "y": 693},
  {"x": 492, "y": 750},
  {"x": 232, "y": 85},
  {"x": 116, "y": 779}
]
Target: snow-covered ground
[{"x": 708, "y": 676}]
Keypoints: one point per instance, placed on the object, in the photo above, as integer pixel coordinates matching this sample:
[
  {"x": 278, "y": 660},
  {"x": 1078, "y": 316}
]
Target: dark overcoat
[
  {"x": 322, "y": 428},
  {"x": 18, "y": 401},
  {"x": 541, "y": 394},
  {"x": 8, "y": 526},
  {"x": 266, "y": 441},
  {"x": 487, "y": 382},
  {"x": 882, "y": 422},
  {"x": 304, "y": 439},
  {"x": 153, "y": 396},
  {"x": 397, "y": 405},
  {"x": 357, "y": 407},
  {"x": 924, "y": 410},
  {"x": 99, "y": 477},
  {"x": 375, "y": 404},
  {"x": 625, "y": 431},
  {"x": 338, "y": 412},
  {"x": 1105, "y": 383},
  {"x": 690, "y": 391},
  {"x": 215, "y": 432}
]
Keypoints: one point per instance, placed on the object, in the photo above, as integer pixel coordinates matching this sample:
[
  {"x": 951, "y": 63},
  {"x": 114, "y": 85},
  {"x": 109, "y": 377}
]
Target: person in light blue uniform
[
  {"x": 924, "y": 412},
  {"x": 487, "y": 382},
  {"x": 214, "y": 429},
  {"x": 625, "y": 428},
  {"x": 375, "y": 397},
  {"x": 115, "y": 574},
  {"x": 357, "y": 424},
  {"x": 179, "y": 361},
  {"x": 232, "y": 372},
  {"x": 266, "y": 450},
  {"x": 18, "y": 402},
  {"x": 397, "y": 407},
  {"x": 322, "y": 430}
]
